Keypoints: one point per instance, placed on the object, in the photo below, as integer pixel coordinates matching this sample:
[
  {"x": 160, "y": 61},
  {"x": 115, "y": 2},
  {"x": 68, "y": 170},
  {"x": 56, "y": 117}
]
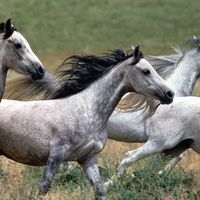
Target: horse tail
[{"x": 24, "y": 88}]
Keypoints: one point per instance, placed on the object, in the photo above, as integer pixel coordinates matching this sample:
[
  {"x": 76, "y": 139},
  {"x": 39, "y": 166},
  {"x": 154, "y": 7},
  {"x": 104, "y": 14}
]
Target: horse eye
[
  {"x": 146, "y": 71},
  {"x": 18, "y": 45}
]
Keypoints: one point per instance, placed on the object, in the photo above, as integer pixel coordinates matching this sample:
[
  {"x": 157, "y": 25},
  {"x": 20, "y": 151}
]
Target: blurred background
[{"x": 58, "y": 29}]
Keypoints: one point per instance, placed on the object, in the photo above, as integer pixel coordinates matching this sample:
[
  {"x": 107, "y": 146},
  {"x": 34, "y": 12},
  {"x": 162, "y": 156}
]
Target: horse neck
[
  {"x": 106, "y": 92},
  {"x": 185, "y": 76}
]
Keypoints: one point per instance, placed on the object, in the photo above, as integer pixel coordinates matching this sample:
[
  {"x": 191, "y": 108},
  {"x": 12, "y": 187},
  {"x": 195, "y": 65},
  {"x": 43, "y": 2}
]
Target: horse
[
  {"x": 72, "y": 127},
  {"x": 182, "y": 81},
  {"x": 16, "y": 54},
  {"x": 172, "y": 136},
  {"x": 181, "y": 71}
]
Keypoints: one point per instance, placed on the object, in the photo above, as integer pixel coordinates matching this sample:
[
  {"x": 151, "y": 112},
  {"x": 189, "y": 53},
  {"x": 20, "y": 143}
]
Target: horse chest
[{"x": 82, "y": 146}]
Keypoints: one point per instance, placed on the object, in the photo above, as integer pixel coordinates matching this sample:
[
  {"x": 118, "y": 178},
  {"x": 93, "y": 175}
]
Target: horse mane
[
  {"x": 166, "y": 64},
  {"x": 79, "y": 71},
  {"x": 75, "y": 74},
  {"x": 194, "y": 42}
]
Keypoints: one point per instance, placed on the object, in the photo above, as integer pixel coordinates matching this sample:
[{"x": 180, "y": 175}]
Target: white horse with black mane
[
  {"x": 73, "y": 128},
  {"x": 16, "y": 54},
  {"x": 121, "y": 126}
]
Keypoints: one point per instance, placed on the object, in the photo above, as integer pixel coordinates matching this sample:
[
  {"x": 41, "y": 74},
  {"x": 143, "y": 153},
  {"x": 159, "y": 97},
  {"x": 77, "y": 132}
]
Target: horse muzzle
[
  {"x": 167, "y": 97},
  {"x": 38, "y": 73}
]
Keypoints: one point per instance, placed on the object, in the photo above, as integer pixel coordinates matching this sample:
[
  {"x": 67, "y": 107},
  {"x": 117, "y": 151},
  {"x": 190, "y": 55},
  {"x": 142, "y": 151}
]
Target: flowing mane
[
  {"x": 82, "y": 70},
  {"x": 166, "y": 64}
]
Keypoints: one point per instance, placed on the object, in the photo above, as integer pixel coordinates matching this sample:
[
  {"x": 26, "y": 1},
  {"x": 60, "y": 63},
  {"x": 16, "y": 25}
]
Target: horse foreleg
[
  {"x": 131, "y": 157},
  {"x": 52, "y": 166},
  {"x": 90, "y": 168},
  {"x": 171, "y": 165}
]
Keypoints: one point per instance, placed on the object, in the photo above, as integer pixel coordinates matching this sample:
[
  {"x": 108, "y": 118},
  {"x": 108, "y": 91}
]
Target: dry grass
[
  {"x": 16, "y": 183},
  {"x": 16, "y": 173}
]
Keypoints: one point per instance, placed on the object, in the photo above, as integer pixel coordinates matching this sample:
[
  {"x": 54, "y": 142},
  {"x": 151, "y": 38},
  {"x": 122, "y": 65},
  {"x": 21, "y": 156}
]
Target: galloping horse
[
  {"x": 73, "y": 128},
  {"x": 16, "y": 54},
  {"x": 185, "y": 65},
  {"x": 172, "y": 130}
]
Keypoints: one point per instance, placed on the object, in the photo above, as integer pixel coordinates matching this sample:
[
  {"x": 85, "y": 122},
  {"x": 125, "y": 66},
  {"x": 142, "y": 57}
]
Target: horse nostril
[
  {"x": 40, "y": 70},
  {"x": 170, "y": 94}
]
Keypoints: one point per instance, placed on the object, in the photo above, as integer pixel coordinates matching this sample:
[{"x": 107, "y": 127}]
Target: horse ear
[
  {"x": 8, "y": 25},
  {"x": 8, "y": 29},
  {"x": 137, "y": 52}
]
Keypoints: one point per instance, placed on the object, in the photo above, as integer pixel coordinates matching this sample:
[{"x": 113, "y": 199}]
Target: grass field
[{"x": 58, "y": 29}]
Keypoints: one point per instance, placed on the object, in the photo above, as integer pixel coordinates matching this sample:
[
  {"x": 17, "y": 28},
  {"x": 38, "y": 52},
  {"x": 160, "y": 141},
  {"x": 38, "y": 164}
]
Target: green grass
[
  {"x": 94, "y": 26},
  {"x": 145, "y": 184}
]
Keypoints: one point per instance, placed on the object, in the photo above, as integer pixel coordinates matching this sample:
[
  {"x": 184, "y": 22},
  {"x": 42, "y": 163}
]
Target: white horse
[
  {"x": 172, "y": 130},
  {"x": 16, "y": 54},
  {"x": 120, "y": 126},
  {"x": 73, "y": 128}
]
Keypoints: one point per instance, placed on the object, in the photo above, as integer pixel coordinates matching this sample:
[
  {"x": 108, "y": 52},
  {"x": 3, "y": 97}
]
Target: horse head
[{"x": 16, "y": 53}]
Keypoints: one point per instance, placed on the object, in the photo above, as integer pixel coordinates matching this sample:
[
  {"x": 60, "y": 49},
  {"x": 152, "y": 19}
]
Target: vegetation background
[{"x": 58, "y": 29}]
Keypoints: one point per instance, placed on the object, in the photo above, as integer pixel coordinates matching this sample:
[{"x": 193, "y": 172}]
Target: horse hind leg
[
  {"x": 176, "y": 151},
  {"x": 131, "y": 157},
  {"x": 168, "y": 168},
  {"x": 91, "y": 170}
]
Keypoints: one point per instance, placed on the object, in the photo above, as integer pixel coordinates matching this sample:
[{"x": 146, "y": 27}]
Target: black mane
[{"x": 85, "y": 69}]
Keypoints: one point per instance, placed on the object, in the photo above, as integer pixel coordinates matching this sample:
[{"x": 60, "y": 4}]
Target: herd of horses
[{"x": 118, "y": 95}]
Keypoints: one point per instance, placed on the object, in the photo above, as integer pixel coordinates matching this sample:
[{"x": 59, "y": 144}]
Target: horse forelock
[{"x": 82, "y": 70}]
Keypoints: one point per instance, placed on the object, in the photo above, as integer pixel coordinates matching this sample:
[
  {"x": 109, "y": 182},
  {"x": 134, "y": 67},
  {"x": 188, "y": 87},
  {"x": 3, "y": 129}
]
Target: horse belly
[{"x": 23, "y": 150}]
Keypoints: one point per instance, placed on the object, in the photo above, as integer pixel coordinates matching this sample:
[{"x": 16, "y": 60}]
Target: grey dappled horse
[
  {"x": 16, "y": 54},
  {"x": 184, "y": 70},
  {"x": 73, "y": 128}
]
